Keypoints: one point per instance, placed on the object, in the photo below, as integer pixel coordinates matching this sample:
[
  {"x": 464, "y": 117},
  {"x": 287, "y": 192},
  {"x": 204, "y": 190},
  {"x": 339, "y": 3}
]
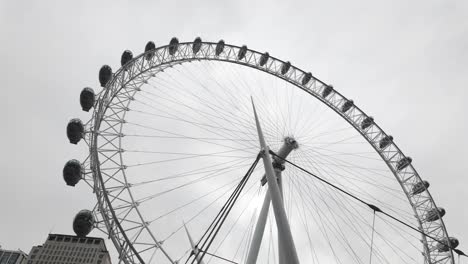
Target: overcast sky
[{"x": 403, "y": 62}]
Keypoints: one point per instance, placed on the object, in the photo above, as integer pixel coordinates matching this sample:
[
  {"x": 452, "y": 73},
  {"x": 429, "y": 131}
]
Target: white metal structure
[
  {"x": 286, "y": 248},
  {"x": 179, "y": 115}
]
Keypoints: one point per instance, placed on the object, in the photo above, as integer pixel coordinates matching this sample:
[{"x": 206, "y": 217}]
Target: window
[
  {"x": 13, "y": 258},
  {"x": 4, "y": 258}
]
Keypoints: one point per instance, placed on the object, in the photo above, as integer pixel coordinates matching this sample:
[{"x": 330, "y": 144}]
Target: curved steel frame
[{"x": 109, "y": 117}]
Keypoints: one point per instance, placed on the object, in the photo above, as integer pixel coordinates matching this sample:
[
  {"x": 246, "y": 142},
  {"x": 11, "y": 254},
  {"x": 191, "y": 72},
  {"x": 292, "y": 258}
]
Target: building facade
[
  {"x": 66, "y": 249},
  {"x": 12, "y": 257}
]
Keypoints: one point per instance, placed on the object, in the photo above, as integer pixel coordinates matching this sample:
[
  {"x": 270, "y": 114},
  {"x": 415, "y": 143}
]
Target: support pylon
[
  {"x": 284, "y": 231},
  {"x": 289, "y": 145}
]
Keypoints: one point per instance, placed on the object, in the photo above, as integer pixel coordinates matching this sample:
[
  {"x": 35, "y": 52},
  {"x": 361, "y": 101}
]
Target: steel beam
[{"x": 282, "y": 223}]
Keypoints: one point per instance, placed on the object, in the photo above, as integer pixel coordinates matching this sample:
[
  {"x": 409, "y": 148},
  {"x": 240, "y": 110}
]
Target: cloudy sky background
[{"x": 403, "y": 62}]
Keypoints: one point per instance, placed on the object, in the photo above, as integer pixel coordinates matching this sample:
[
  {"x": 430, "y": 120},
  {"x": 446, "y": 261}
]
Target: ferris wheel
[{"x": 205, "y": 152}]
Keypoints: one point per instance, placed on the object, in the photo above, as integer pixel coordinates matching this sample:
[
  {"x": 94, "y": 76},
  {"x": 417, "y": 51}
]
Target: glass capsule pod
[
  {"x": 83, "y": 223},
  {"x": 242, "y": 52},
  {"x": 149, "y": 50},
  {"x": 264, "y": 58},
  {"x": 347, "y": 105},
  {"x": 420, "y": 187},
  {"x": 196, "y": 46},
  {"x": 219, "y": 47},
  {"x": 285, "y": 67},
  {"x": 448, "y": 244},
  {"x": 126, "y": 57},
  {"x": 403, "y": 163},
  {"x": 75, "y": 130},
  {"x": 173, "y": 46},
  {"x": 87, "y": 99},
  {"x": 435, "y": 214},
  {"x": 72, "y": 172},
  {"x": 367, "y": 122},
  {"x": 385, "y": 142},
  {"x": 105, "y": 74},
  {"x": 327, "y": 91},
  {"x": 306, "y": 78}
]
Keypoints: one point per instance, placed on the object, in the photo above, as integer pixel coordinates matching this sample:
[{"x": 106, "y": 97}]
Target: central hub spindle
[{"x": 289, "y": 144}]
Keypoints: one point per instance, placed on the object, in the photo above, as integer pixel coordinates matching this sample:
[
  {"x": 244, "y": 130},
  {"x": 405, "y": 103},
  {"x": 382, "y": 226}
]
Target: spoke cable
[
  {"x": 215, "y": 226},
  {"x": 219, "y": 257},
  {"x": 371, "y": 206},
  {"x": 372, "y": 239}
]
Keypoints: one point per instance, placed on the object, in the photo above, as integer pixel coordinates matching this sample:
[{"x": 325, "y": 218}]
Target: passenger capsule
[
  {"x": 87, "y": 98},
  {"x": 242, "y": 52},
  {"x": 219, "y": 47},
  {"x": 149, "y": 50},
  {"x": 196, "y": 46},
  {"x": 285, "y": 68},
  {"x": 105, "y": 74},
  {"x": 173, "y": 45},
  {"x": 264, "y": 58},
  {"x": 75, "y": 130},
  {"x": 367, "y": 122},
  {"x": 327, "y": 91},
  {"x": 434, "y": 214},
  {"x": 126, "y": 57},
  {"x": 72, "y": 172},
  {"x": 403, "y": 163},
  {"x": 306, "y": 78},
  {"x": 420, "y": 187},
  {"x": 450, "y": 243},
  {"x": 347, "y": 105},
  {"x": 83, "y": 223},
  {"x": 385, "y": 141}
]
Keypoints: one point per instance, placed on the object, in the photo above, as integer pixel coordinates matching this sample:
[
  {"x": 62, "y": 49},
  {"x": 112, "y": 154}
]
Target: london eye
[{"x": 206, "y": 152}]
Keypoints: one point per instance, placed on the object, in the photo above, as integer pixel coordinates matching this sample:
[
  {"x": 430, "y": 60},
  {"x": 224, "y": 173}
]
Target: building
[
  {"x": 66, "y": 249},
  {"x": 12, "y": 257}
]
